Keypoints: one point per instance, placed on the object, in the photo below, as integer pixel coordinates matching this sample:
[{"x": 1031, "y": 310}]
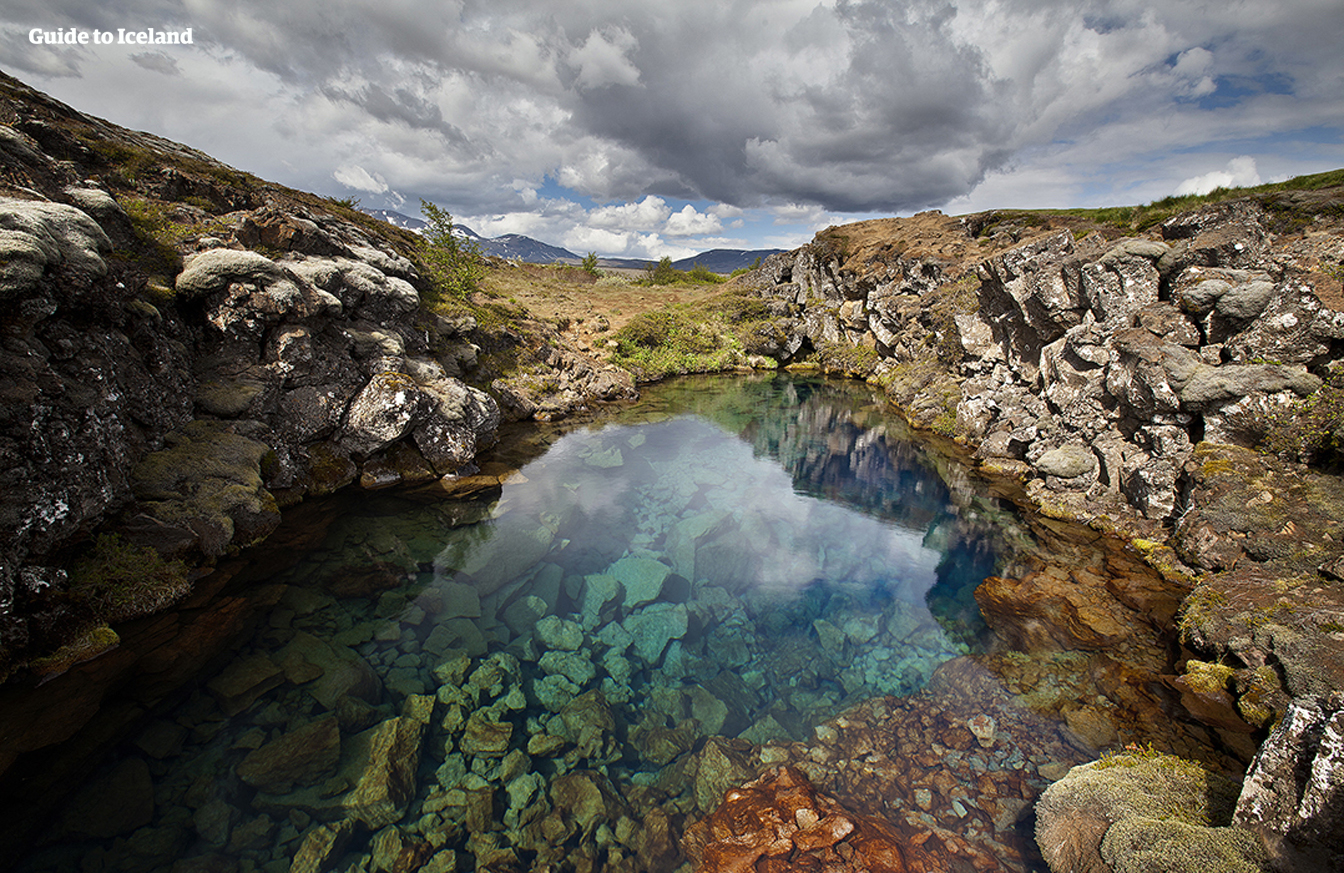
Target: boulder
[
  {"x": 653, "y": 627},
  {"x": 213, "y": 270},
  {"x": 382, "y": 765},
  {"x": 641, "y": 579},
  {"x": 37, "y": 237},
  {"x": 243, "y": 681},
  {"x": 577, "y": 667},
  {"x": 1067, "y": 462},
  {"x": 587, "y": 798},
  {"x": 384, "y": 411},
  {"x": 335, "y": 672},
  {"x": 322, "y": 844},
  {"x": 560, "y": 634},
  {"x": 205, "y": 490},
  {"x": 514, "y": 544},
  {"x": 486, "y": 738},
  {"x": 1111, "y": 815}
]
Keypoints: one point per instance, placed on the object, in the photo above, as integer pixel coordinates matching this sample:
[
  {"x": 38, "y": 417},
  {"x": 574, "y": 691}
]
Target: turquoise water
[{"x": 738, "y": 558}]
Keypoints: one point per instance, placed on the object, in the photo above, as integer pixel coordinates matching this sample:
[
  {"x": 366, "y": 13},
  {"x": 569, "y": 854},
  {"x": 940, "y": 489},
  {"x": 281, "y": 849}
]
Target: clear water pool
[{"x": 736, "y": 558}]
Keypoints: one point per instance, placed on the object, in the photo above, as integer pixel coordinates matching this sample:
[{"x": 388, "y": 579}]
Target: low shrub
[
  {"x": 674, "y": 341},
  {"x": 1311, "y": 430}
]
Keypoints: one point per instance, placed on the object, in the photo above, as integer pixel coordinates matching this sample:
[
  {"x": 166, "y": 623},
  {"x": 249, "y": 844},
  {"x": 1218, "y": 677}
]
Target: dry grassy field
[{"x": 588, "y": 310}]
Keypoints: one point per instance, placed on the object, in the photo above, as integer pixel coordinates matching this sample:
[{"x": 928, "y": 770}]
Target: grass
[
  {"x": 677, "y": 340},
  {"x": 119, "y": 580},
  {"x": 1141, "y": 218}
]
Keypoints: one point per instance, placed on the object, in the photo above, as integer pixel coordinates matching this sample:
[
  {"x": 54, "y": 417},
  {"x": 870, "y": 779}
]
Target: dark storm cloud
[{"x": 852, "y": 105}]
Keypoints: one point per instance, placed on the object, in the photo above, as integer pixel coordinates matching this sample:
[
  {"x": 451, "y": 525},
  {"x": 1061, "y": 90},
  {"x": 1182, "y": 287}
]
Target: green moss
[
  {"x": 119, "y": 580},
  {"x": 1311, "y": 430},
  {"x": 208, "y": 482},
  {"x": 328, "y": 469},
  {"x": 1260, "y": 690},
  {"x": 1140, "y": 845},
  {"x": 158, "y": 255},
  {"x": 1202, "y": 604},
  {"x": 1141, "y": 781},
  {"x": 945, "y": 424},
  {"x": 1208, "y": 678},
  {"x": 847, "y": 359},
  {"x": 90, "y": 644}
]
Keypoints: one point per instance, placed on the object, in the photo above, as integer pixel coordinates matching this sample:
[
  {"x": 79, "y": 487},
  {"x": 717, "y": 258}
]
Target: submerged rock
[
  {"x": 116, "y": 803},
  {"x": 557, "y": 633},
  {"x": 641, "y": 578},
  {"x": 301, "y": 756},
  {"x": 653, "y": 627},
  {"x": 780, "y": 820}
]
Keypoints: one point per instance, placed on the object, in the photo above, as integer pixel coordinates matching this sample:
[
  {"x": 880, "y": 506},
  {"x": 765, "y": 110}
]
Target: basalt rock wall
[
  {"x": 1092, "y": 366},
  {"x": 186, "y": 351}
]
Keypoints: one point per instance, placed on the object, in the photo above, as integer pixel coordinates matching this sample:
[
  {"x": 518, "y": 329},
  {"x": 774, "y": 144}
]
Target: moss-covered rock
[
  {"x": 1268, "y": 530},
  {"x": 207, "y": 488},
  {"x": 1111, "y": 815},
  {"x": 1141, "y": 845},
  {"x": 89, "y": 644}
]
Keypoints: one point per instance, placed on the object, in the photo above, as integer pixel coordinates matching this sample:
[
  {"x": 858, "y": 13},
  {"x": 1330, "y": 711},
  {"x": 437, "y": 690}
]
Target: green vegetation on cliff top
[{"x": 1140, "y": 218}]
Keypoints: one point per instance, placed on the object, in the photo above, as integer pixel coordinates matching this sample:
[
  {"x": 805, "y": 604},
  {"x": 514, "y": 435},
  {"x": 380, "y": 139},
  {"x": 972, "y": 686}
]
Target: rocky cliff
[
  {"x": 1178, "y": 390},
  {"x": 188, "y": 349}
]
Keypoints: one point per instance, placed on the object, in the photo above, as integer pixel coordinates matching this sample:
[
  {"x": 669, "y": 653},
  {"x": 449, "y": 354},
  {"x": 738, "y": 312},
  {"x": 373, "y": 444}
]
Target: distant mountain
[
  {"x": 623, "y": 263},
  {"x": 523, "y": 248},
  {"x": 513, "y": 246},
  {"x": 396, "y": 219},
  {"x": 724, "y": 260},
  {"x": 715, "y": 260}
]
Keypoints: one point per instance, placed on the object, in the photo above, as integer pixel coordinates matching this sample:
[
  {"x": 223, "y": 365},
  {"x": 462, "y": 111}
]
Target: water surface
[{"x": 735, "y": 558}]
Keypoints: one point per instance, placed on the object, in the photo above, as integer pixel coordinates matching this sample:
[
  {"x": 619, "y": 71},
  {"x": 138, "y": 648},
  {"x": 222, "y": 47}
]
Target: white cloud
[
  {"x": 159, "y": 62},
  {"x": 1239, "y": 173},
  {"x": 603, "y": 58},
  {"x": 612, "y": 243},
  {"x": 798, "y": 213},
  {"x": 360, "y": 179},
  {"x": 691, "y": 222},
  {"x": 648, "y": 214},
  {"x": 1194, "y": 66}
]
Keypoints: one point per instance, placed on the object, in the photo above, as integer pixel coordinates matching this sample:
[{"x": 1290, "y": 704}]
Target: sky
[{"x": 651, "y": 128}]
